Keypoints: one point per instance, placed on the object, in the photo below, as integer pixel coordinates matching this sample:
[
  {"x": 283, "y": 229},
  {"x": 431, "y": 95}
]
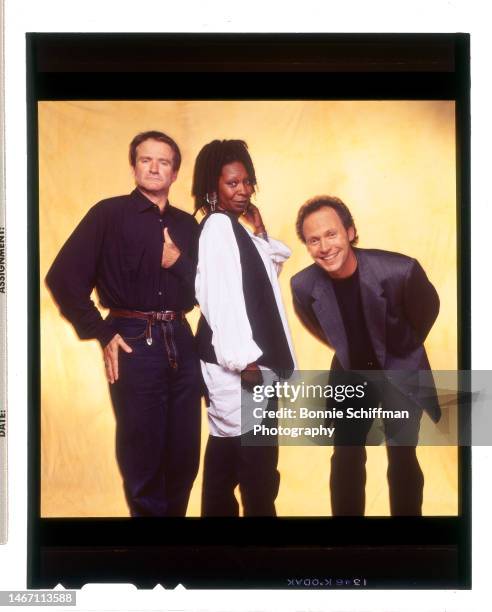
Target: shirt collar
[{"x": 143, "y": 203}]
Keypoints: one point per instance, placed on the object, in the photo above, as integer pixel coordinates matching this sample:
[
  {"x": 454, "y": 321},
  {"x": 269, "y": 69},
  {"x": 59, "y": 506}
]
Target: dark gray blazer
[{"x": 400, "y": 306}]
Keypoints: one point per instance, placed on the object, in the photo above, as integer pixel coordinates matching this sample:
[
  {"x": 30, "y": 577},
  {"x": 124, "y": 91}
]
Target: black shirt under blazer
[{"x": 400, "y": 306}]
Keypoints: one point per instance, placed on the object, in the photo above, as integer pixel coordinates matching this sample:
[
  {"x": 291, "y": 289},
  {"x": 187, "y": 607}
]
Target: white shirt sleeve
[
  {"x": 275, "y": 250},
  {"x": 219, "y": 292}
]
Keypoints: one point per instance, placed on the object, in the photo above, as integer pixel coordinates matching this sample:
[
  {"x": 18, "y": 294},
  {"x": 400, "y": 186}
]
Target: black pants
[
  {"x": 228, "y": 463},
  {"x": 157, "y": 411},
  {"x": 348, "y": 462}
]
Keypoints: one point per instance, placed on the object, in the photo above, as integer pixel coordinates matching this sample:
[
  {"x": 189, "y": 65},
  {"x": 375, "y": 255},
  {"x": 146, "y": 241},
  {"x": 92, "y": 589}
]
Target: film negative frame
[{"x": 249, "y": 553}]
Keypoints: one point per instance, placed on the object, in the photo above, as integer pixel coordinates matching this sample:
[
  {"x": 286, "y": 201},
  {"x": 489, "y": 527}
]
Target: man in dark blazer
[{"x": 375, "y": 309}]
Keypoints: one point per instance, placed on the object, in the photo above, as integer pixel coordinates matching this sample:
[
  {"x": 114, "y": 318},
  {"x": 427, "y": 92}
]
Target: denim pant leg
[
  {"x": 151, "y": 439},
  {"x": 183, "y": 424}
]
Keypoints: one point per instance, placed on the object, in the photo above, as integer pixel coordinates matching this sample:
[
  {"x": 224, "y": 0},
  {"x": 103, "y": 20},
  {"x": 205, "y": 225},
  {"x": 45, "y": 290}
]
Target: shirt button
[
  {"x": 160, "y": 220},
  {"x": 160, "y": 292}
]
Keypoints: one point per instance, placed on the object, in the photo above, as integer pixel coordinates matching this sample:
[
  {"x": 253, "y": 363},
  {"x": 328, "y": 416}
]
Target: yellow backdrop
[{"x": 393, "y": 163}]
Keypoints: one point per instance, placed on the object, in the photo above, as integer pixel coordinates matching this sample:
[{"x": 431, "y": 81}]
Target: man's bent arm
[
  {"x": 185, "y": 266},
  {"x": 421, "y": 301},
  {"x": 73, "y": 275},
  {"x": 307, "y": 318}
]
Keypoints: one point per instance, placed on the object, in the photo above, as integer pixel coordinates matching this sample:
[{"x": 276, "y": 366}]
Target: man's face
[
  {"x": 154, "y": 171},
  {"x": 235, "y": 188},
  {"x": 328, "y": 242}
]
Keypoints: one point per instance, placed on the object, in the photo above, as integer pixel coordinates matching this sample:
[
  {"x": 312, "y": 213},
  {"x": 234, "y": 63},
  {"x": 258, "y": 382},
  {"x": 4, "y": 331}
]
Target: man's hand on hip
[
  {"x": 111, "y": 356},
  {"x": 170, "y": 251}
]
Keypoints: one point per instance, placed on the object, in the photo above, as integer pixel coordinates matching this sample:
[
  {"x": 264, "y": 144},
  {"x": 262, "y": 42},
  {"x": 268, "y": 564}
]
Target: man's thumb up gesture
[{"x": 170, "y": 251}]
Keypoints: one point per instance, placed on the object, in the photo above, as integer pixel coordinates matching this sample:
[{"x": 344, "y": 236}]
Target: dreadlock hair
[{"x": 208, "y": 168}]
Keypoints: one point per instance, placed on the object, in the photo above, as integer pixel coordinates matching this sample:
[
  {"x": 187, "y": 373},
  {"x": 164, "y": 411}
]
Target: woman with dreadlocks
[{"x": 242, "y": 334}]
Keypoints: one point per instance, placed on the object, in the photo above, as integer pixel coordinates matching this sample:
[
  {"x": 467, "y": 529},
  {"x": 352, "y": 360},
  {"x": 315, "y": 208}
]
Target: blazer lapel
[
  {"x": 325, "y": 306},
  {"x": 374, "y": 306}
]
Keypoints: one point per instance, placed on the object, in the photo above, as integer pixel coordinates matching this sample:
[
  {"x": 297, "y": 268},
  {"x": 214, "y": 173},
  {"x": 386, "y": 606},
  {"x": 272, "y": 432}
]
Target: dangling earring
[{"x": 211, "y": 201}]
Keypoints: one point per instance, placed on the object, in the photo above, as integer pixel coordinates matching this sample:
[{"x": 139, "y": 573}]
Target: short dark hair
[
  {"x": 324, "y": 201},
  {"x": 161, "y": 137},
  {"x": 208, "y": 168}
]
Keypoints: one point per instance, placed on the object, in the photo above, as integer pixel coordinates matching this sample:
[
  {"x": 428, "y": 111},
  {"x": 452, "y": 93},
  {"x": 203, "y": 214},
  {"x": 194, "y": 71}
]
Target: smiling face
[
  {"x": 154, "y": 170},
  {"x": 328, "y": 242},
  {"x": 234, "y": 188}
]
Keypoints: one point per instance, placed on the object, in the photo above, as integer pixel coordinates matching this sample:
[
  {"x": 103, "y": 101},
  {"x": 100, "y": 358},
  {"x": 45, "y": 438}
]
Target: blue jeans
[{"x": 157, "y": 409}]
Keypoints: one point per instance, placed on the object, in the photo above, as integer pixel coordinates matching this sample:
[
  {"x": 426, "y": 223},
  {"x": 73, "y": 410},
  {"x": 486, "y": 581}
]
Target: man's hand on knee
[{"x": 111, "y": 356}]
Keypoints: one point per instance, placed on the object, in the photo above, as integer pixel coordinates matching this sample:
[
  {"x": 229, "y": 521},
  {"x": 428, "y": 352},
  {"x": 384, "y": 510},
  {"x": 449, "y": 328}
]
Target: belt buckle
[{"x": 164, "y": 315}]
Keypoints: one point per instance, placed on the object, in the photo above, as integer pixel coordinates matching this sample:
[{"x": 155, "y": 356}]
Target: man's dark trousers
[
  {"x": 157, "y": 409},
  {"x": 348, "y": 462}
]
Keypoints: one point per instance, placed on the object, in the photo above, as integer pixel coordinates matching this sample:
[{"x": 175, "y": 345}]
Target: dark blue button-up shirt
[{"x": 117, "y": 249}]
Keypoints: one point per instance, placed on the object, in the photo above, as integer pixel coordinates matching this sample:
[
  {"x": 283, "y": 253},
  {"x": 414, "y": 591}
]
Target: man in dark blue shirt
[{"x": 139, "y": 253}]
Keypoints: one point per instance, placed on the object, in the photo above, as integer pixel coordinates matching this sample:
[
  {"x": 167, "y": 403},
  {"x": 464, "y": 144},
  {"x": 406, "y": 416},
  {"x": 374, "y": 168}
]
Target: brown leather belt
[{"x": 152, "y": 317}]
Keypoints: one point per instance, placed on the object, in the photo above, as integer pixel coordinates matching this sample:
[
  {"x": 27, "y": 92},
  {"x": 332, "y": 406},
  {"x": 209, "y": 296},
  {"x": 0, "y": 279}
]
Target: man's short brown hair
[
  {"x": 161, "y": 137},
  {"x": 324, "y": 201}
]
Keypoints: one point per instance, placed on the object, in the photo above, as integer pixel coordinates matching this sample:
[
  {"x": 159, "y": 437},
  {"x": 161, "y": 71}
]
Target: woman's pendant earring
[{"x": 212, "y": 201}]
